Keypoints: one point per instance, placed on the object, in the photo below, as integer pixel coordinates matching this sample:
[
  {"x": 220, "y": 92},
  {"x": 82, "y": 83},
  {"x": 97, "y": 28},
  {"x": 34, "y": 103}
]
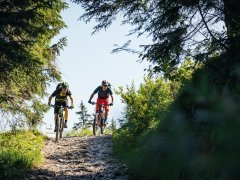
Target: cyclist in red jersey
[{"x": 104, "y": 92}]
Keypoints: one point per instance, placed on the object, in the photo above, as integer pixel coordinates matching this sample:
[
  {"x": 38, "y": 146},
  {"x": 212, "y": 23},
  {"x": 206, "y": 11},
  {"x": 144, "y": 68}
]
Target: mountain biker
[
  {"x": 104, "y": 92},
  {"x": 61, "y": 93}
]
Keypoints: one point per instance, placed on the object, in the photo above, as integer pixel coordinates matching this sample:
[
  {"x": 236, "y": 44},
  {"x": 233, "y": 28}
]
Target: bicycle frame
[
  {"x": 98, "y": 120},
  {"x": 101, "y": 113},
  {"x": 59, "y": 122}
]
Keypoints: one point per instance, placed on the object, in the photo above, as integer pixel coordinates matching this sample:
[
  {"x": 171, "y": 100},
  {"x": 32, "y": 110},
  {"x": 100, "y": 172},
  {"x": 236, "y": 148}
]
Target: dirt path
[{"x": 80, "y": 158}]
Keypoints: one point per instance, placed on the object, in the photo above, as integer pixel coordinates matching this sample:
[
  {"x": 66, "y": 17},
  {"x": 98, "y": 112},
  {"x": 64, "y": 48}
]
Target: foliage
[
  {"x": 178, "y": 28},
  {"x": 147, "y": 106},
  {"x": 109, "y": 131},
  {"x": 19, "y": 152},
  {"x": 27, "y": 58},
  {"x": 199, "y": 138},
  {"x": 144, "y": 109}
]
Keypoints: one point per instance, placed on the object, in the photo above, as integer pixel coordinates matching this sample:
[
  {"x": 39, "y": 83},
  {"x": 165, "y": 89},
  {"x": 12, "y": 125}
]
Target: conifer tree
[
  {"x": 84, "y": 117},
  {"x": 27, "y": 57},
  {"x": 178, "y": 28}
]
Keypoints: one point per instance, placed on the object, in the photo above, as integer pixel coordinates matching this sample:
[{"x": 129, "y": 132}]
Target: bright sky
[{"x": 87, "y": 60}]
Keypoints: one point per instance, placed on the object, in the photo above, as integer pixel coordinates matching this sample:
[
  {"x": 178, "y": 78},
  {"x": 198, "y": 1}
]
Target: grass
[
  {"x": 84, "y": 132},
  {"x": 19, "y": 152},
  {"x": 80, "y": 133}
]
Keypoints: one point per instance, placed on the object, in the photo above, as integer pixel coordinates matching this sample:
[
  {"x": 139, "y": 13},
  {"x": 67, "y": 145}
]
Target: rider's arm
[
  {"x": 90, "y": 99},
  {"x": 94, "y": 92},
  {"x": 69, "y": 93},
  {"x": 71, "y": 98},
  {"x": 112, "y": 98},
  {"x": 50, "y": 98},
  {"x": 111, "y": 94}
]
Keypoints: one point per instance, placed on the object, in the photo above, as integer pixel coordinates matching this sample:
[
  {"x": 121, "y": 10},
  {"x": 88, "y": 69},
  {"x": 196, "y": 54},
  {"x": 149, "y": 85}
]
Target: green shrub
[
  {"x": 145, "y": 108},
  {"x": 199, "y": 138},
  {"x": 19, "y": 152}
]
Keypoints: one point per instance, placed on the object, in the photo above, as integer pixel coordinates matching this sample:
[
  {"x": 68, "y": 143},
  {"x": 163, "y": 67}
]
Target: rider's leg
[
  {"x": 106, "y": 112},
  {"x": 106, "y": 116},
  {"x": 97, "y": 107},
  {"x": 66, "y": 116}
]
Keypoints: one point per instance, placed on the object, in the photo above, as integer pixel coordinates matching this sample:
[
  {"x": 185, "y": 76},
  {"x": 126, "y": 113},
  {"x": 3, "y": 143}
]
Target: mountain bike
[
  {"x": 59, "y": 122},
  {"x": 98, "y": 121}
]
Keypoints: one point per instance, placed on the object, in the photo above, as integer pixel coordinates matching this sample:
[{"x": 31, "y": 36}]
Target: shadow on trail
[{"x": 45, "y": 174}]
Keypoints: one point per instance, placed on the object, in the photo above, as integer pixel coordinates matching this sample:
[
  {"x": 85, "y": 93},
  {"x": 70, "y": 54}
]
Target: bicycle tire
[
  {"x": 95, "y": 125},
  {"x": 101, "y": 125},
  {"x": 61, "y": 128},
  {"x": 57, "y": 129}
]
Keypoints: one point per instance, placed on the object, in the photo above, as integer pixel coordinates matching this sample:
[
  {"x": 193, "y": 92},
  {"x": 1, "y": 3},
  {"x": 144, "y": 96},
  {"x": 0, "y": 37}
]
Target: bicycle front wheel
[
  {"x": 95, "y": 125},
  {"x": 61, "y": 128},
  {"x": 101, "y": 125},
  {"x": 57, "y": 129}
]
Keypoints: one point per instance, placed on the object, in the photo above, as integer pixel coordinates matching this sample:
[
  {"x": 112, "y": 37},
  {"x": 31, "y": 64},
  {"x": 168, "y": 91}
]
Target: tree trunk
[{"x": 232, "y": 21}]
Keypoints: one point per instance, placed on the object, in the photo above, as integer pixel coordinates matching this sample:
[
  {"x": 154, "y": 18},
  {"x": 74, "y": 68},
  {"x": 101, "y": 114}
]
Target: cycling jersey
[
  {"x": 103, "y": 94},
  {"x": 60, "y": 95}
]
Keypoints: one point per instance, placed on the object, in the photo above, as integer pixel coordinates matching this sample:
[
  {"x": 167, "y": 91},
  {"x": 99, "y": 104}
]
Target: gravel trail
[{"x": 80, "y": 158}]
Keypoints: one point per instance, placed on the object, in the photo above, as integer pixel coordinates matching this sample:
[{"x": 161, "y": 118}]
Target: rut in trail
[{"x": 80, "y": 158}]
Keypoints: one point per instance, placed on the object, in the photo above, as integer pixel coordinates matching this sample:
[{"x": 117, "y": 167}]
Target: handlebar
[
  {"x": 69, "y": 107},
  {"x": 93, "y": 103}
]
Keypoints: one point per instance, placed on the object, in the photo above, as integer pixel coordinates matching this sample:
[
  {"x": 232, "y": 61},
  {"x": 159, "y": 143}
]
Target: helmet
[
  {"x": 65, "y": 85},
  {"x": 104, "y": 83}
]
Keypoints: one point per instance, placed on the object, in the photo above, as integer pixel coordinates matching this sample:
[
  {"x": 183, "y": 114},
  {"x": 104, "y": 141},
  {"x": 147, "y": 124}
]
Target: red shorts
[{"x": 105, "y": 102}]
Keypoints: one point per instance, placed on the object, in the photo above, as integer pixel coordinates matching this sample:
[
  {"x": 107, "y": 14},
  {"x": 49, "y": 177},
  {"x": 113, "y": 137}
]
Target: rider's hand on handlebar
[
  {"x": 71, "y": 107},
  {"x": 110, "y": 104},
  {"x": 90, "y": 102}
]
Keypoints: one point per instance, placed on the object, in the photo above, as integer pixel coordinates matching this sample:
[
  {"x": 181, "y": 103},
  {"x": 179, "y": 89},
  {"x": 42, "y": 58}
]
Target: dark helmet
[
  {"x": 65, "y": 85},
  {"x": 104, "y": 83}
]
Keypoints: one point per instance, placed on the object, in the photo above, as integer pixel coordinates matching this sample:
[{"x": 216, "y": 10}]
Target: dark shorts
[{"x": 56, "y": 109}]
